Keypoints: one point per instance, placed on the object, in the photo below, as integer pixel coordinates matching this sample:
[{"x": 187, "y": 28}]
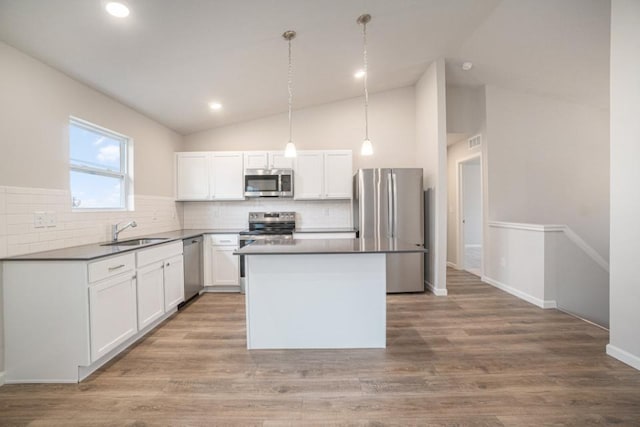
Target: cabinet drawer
[
  {"x": 158, "y": 253},
  {"x": 224, "y": 239},
  {"x": 111, "y": 267}
]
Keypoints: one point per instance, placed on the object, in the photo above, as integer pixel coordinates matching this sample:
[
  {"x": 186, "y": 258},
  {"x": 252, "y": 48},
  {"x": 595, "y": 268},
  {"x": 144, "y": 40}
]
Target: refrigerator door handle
[
  {"x": 394, "y": 205},
  {"x": 391, "y": 217}
]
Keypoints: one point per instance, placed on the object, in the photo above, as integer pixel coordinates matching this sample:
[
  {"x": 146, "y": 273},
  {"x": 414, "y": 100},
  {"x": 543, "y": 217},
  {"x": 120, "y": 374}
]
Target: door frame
[{"x": 460, "y": 207}]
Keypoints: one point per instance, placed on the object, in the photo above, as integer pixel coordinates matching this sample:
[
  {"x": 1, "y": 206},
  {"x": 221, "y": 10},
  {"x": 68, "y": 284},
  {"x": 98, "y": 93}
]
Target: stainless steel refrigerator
[{"x": 389, "y": 203}]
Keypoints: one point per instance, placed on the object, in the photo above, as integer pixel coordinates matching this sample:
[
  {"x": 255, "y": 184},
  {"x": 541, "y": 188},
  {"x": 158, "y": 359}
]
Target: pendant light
[
  {"x": 367, "y": 148},
  {"x": 290, "y": 149}
]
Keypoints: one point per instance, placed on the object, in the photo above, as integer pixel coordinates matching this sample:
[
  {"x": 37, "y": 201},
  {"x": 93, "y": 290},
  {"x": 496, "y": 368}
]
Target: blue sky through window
[{"x": 96, "y": 161}]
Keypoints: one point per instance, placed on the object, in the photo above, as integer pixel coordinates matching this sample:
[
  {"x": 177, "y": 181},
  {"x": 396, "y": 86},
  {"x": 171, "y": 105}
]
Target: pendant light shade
[
  {"x": 290, "y": 149},
  {"x": 367, "y": 147}
]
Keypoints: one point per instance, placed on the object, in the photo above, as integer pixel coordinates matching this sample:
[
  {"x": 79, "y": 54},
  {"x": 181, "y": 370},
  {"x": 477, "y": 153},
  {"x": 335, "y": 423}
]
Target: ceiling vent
[{"x": 475, "y": 141}]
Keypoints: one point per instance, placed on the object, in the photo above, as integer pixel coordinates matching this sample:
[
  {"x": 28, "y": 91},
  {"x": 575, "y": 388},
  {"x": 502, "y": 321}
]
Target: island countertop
[{"x": 329, "y": 246}]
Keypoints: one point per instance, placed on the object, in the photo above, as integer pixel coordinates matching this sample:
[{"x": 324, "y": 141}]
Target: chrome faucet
[{"x": 115, "y": 230}]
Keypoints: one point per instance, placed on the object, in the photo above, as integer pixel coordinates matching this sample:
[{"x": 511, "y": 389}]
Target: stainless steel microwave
[{"x": 268, "y": 183}]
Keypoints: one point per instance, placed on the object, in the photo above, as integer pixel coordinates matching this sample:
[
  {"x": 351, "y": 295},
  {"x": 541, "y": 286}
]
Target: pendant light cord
[
  {"x": 366, "y": 90},
  {"x": 289, "y": 85}
]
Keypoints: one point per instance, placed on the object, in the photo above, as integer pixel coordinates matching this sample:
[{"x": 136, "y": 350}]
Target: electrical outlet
[
  {"x": 50, "y": 219},
  {"x": 39, "y": 219}
]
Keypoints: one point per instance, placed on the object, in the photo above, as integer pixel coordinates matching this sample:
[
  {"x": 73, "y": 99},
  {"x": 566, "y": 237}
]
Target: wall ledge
[
  {"x": 623, "y": 356},
  {"x": 528, "y": 227},
  {"x": 546, "y": 228},
  {"x": 545, "y": 304}
]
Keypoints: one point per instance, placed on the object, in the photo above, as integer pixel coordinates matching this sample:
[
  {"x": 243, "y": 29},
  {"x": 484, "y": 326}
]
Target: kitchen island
[{"x": 322, "y": 293}]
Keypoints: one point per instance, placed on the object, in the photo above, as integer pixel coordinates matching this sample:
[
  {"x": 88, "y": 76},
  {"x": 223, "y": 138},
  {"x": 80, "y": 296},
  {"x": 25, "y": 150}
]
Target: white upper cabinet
[
  {"x": 226, "y": 176},
  {"x": 209, "y": 176},
  {"x": 256, "y": 160},
  {"x": 267, "y": 160},
  {"x": 309, "y": 175},
  {"x": 338, "y": 174},
  {"x": 192, "y": 176},
  {"x": 323, "y": 175},
  {"x": 277, "y": 160}
]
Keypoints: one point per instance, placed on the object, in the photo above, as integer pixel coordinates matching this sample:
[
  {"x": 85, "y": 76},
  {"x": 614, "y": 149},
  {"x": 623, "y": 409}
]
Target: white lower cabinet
[
  {"x": 64, "y": 319},
  {"x": 173, "y": 282},
  {"x": 222, "y": 266},
  {"x": 150, "y": 294},
  {"x": 112, "y": 311}
]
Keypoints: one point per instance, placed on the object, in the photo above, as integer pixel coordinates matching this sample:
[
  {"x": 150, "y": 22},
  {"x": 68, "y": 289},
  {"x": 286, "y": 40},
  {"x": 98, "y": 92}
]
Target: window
[{"x": 100, "y": 170}]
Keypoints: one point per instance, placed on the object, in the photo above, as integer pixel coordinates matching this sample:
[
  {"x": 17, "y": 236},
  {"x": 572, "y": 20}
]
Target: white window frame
[{"x": 126, "y": 165}]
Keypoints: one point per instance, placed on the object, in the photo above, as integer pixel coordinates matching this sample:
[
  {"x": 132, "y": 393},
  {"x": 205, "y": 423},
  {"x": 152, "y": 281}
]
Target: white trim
[
  {"x": 221, "y": 289},
  {"x": 473, "y": 245},
  {"x": 623, "y": 356},
  {"x": 529, "y": 227},
  {"x": 522, "y": 295},
  {"x": 436, "y": 291},
  {"x": 1, "y": 378},
  {"x": 452, "y": 265}
]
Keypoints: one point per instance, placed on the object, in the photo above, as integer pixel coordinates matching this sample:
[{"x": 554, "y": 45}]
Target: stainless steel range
[{"x": 276, "y": 227}]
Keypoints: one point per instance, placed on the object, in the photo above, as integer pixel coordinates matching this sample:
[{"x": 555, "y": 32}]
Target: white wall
[
  {"x": 624, "y": 340},
  {"x": 548, "y": 163},
  {"x": 338, "y": 125},
  {"x": 35, "y": 106},
  {"x": 465, "y": 109},
  {"x": 431, "y": 155}
]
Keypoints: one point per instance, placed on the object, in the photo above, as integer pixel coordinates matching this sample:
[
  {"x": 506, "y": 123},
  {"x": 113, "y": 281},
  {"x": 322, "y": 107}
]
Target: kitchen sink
[{"x": 137, "y": 242}]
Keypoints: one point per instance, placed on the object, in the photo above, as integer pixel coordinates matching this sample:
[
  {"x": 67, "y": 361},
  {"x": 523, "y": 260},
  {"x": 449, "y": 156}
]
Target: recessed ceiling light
[
  {"x": 215, "y": 106},
  {"x": 359, "y": 74},
  {"x": 466, "y": 66},
  {"x": 116, "y": 9}
]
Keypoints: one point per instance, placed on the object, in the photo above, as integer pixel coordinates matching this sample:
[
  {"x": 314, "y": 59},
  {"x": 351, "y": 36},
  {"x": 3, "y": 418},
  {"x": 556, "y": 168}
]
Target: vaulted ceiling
[{"x": 169, "y": 58}]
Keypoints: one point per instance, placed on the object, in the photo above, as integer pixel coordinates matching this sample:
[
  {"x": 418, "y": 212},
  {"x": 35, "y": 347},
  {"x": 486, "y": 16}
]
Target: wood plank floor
[{"x": 479, "y": 357}]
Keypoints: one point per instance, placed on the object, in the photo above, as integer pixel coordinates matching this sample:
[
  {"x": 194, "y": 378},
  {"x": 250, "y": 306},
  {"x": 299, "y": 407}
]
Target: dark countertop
[
  {"x": 326, "y": 230},
  {"x": 96, "y": 250},
  {"x": 329, "y": 246}
]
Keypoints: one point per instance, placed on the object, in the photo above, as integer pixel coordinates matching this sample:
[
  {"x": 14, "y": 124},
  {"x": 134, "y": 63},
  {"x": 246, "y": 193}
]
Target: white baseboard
[
  {"x": 222, "y": 289},
  {"x": 452, "y": 265},
  {"x": 436, "y": 291},
  {"x": 624, "y": 356},
  {"x": 1, "y": 378},
  {"x": 518, "y": 293}
]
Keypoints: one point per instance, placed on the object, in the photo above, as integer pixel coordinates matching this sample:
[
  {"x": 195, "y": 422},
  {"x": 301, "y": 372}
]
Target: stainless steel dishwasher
[{"x": 193, "y": 274}]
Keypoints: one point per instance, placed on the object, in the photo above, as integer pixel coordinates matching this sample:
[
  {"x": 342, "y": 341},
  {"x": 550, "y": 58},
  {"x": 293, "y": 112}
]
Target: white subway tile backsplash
[
  {"x": 18, "y": 234},
  {"x": 321, "y": 213}
]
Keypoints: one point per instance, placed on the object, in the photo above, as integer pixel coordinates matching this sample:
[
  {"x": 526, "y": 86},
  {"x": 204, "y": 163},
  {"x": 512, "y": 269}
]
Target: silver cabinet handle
[
  {"x": 168, "y": 264},
  {"x": 116, "y": 267}
]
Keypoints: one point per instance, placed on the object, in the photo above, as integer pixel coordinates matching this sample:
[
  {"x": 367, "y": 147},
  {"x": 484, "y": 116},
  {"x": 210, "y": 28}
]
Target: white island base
[{"x": 316, "y": 301}]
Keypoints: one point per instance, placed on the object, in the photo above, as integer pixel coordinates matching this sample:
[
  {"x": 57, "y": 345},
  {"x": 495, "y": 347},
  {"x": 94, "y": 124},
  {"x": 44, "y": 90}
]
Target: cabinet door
[
  {"x": 112, "y": 313},
  {"x": 226, "y": 266},
  {"x": 227, "y": 176},
  {"x": 192, "y": 176},
  {"x": 338, "y": 182},
  {"x": 309, "y": 173},
  {"x": 173, "y": 282},
  {"x": 255, "y": 160},
  {"x": 277, "y": 160},
  {"x": 150, "y": 294}
]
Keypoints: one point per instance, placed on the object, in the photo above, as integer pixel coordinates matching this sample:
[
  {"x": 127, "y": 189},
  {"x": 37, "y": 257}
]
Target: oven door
[{"x": 261, "y": 183}]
